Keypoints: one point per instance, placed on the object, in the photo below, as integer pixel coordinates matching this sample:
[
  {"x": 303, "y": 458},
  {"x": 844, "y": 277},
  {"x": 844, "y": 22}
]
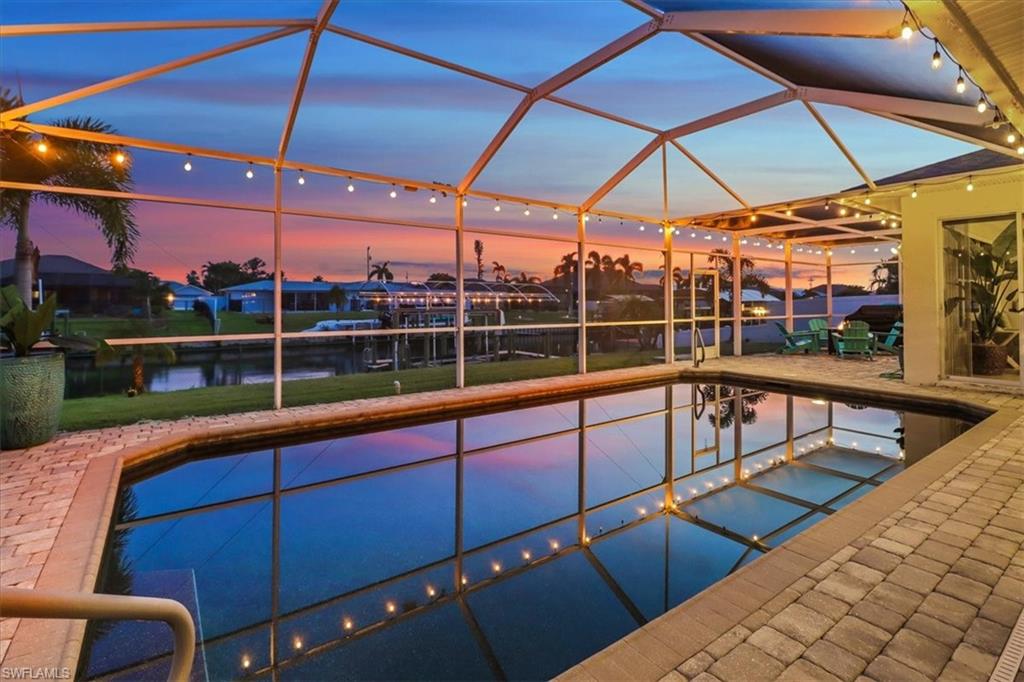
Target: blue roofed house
[{"x": 185, "y": 295}]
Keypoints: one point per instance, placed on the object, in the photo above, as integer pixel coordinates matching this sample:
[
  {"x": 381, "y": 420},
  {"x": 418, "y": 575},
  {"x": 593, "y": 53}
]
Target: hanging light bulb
[
  {"x": 1020, "y": 150},
  {"x": 351, "y": 187},
  {"x": 42, "y": 147},
  {"x": 302, "y": 177},
  {"x": 913, "y": 193},
  {"x": 497, "y": 206},
  {"x": 661, "y": 230},
  {"x": 867, "y": 200},
  {"x": 120, "y": 158},
  {"x": 188, "y": 163},
  {"x": 1011, "y": 137},
  {"x": 249, "y": 172},
  {"x": 433, "y": 197},
  {"x": 642, "y": 228},
  {"x": 970, "y": 183},
  {"x": 905, "y": 31},
  {"x": 526, "y": 211},
  {"x": 753, "y": 217},
  {"x": 828, "y": 204},
  {"x": 961, "y": 84},
  {"x": 789, "y": 211},
  {"x": 842, "y": 211},
  {"x": 936, "y": 57},
  {"x": 554, "y": 216},
  {"x": 982, "y": 105},
  {"x": 465, "y": 202}
]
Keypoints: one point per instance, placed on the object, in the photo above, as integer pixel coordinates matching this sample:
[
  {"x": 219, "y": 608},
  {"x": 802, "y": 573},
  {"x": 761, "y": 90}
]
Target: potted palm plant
[
  {"x": 989, "y": 292},
  {"x": 32, "y": 378}
]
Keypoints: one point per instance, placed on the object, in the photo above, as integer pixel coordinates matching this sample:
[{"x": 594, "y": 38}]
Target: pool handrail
[{"x": 24, "y": 603}]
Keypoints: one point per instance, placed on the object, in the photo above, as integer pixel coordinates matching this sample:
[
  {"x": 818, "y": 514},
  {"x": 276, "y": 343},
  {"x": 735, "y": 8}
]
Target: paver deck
[{"x": 920, "y": 579}]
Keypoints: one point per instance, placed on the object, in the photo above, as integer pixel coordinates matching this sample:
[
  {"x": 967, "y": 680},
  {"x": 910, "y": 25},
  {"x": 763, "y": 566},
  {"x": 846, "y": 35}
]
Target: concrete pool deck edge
[{"x": 74, "y": 560}]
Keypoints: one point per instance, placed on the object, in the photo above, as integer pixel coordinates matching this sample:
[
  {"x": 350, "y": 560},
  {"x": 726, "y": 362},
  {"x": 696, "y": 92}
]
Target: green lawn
[
  {"x": 187, "y": 323},
  {"x": 110, "y": 410}
]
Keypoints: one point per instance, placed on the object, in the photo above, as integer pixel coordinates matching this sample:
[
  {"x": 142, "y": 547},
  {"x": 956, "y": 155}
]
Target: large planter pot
[
  {"x": 31, "y": 398},
  {"x": 988, "y": 358}
]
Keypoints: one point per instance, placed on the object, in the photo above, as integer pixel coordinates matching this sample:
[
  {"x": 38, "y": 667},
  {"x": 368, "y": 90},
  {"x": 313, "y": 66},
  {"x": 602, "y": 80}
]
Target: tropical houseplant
[
  {"x": 987, "y": 289},
  {"x": 33, "y": 380}
]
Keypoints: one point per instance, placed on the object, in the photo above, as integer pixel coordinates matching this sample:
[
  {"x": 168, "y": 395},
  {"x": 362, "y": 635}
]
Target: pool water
[{"x": 506, "y": 545}]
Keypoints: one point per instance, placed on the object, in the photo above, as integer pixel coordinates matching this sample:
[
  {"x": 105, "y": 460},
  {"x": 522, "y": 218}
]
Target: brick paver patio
[{"x": 928, "y": 589}]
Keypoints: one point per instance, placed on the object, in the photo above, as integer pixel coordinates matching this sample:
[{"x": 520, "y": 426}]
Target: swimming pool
[{"x": 509, "y": 545}]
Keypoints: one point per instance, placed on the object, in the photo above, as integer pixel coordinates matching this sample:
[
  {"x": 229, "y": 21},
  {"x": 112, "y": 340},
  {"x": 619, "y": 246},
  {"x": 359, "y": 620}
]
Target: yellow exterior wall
[{"x": 923, "y": 308}]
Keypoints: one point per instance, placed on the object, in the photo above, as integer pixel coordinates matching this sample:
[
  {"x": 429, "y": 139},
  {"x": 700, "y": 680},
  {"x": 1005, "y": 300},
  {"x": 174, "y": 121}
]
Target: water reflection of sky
[{"x": 358, "y": 547}]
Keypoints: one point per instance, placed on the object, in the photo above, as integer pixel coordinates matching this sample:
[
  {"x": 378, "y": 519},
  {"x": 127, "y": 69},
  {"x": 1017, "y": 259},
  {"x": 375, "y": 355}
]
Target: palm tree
[
  {"x": 138, "y": 353},
  {"x": 885, "y": 277},
  {"x": 500, "y": 272},
  {"x": 478, "y": 249},
  {"x": 677, "y": 277},
  {"x": 628, "y": 268},
  {"x": 566, "y": 271},
  {"x": 381, "y": 272},
  {"x": 74, "y": 163},
  {"x": 523, "y": 278},
  {"x": 721, "y": 260}
]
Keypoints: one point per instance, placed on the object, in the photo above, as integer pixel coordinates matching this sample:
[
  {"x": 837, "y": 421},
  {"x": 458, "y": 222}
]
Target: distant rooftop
[{"x": 983, "y": 159}]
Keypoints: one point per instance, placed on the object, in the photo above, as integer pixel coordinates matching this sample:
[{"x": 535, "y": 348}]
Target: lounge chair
[
  {"x": 856, "y": 339},
  {"x": 821, "y": 327},
  {"x": 796, "y": 342},
  {"x": 888, "y": 344}
]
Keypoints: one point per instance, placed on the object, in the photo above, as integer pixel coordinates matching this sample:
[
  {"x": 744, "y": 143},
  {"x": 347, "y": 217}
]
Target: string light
[
  {"x": 982, "y": 105},
  {"x": 246, "y": 662},
  {"x": 913, "y": 192},
  {"x": 188, "y": 163},
  {"x": 1020, "y": 150},
  {"x": 936, "y": 57},
  {"x": 526, "y": 211},
  {"x": 1011, "y": 137},
  {"x": 393, "y": 193},
  {"x": 390, "y": 606},
  {"x": 642, "y": 228},
  {"x": 42, "y": 147},
  {"x": 351, "y": 187},
  {"x": 249, "y": 172},
  {"x": 961, "y": 84},
  {"x": 905, "y": 31},
  {"x": 497, "y": 206},
  {"x": 120, "y": 158},
  {"x": 465, "y": 202},
  {"x": 433, "y": 197},
  {"x": 348, "y": 624},
  {"x": 297, "y": 643},
  {"x": 554, "y": 216},
  {"x": 302, "y": 177},
  {"x": 789, "y": 211},
  {"x": 842, "y": 210},
  {"x": 867, "y": 200},
  {"x": 526, "y": 555},
  {"x": 970, "y": 183},
  {"x": 753, "y": 217},
  {"x": 431, "y": 592}
]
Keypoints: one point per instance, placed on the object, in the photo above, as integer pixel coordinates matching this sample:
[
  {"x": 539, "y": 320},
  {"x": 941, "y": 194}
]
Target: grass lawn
[
  {"x": 111, "y": 410},
  {"x": 187, "y": 323}
]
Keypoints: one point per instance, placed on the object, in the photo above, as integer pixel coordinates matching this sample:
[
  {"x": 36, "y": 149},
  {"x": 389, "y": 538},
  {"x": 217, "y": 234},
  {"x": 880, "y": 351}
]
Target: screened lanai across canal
[{"x": 648, "y": 171}]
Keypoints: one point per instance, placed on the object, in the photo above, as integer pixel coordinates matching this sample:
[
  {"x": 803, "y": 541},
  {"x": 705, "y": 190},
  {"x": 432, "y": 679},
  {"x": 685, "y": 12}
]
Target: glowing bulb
[
  {"x": 906, "y": 31},
  {"x": 246, "y": 662},
  {"x": 893, "y": 250},
  {"x": 297, "y": 643},
  {"x": 661, "y": 230},
  {"x": 554, "y": 544},
  {"x": 1011, "y": 137},
  {"x": 852, "y": 251},
  {"x": 753, "y": 218},
  {"x": 936, "y": 57},
  {"x": 1020, "y": 150},
  {"x": 392, "y": 193},
  {"x": 347, "y": 624},
  {"x": 693, "y": 235},
  {"x": 188, "y": 163},
  {"x": 982, "y": 105},
  {"x": 842, "y": 211},
  {"x": 961, "y": 84},
  {"x": 302, "y": 178},
  {"x": 913, "y": 193},
  {"x": 755, "y": 538},
  {"x": 120, "y": 158},
  {"x": 42, "y": 147},
  {"x": 693, "y": 491},
  {"x": 970, "y": 185},
  {"x": 497, "y": 208},
  {"x": 249, "y": 172},
  {"x": 554, "y": 216},
  {"x": 867, "y": 200},
  {"x": 789, "y": 211},
  {"x": 526, "y": 211},
  {"x": 642, "y": 228},
  {"x": 465, "y": 580},
  {"x": 431, "y": 592},
  {"x": 390, "y": 606},
  {"x": 465, "y": 203},
  {"x": 642, "y": 511},
  {"x": 586, "y": 539},
  {"x": 351, "y": 187},
  {"x": 496, "y": 567},
  {"x": 526, "y": 555}
]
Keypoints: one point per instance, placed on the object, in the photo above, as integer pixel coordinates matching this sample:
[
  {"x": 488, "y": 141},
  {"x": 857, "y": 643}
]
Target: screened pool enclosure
[{"x": 419, "y": 194}]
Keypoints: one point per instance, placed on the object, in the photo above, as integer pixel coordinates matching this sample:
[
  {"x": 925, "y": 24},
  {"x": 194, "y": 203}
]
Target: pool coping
[{"x": 75, "y": 559}]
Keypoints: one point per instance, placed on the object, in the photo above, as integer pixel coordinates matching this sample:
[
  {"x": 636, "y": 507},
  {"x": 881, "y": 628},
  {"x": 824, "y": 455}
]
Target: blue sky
[{"x": 372, "y": 110}]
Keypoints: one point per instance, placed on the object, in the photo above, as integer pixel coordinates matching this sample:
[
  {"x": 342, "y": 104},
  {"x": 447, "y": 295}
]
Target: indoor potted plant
[
  {"x": 32, "y": 378},
  {"x": 989, "y": 291}
]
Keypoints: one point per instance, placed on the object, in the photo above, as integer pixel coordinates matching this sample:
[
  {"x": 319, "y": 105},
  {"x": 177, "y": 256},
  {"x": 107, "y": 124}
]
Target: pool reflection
[{"x": 511, "y": 544}]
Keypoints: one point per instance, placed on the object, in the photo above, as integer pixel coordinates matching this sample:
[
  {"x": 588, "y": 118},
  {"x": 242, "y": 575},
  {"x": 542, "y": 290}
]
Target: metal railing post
[{"x": 20, "y": 603}]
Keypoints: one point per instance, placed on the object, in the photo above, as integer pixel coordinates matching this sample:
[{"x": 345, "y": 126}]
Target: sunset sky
[{"x": 372, "y": 110}]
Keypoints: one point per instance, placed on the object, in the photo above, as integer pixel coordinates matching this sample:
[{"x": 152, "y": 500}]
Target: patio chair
[
  {"x": 821, "y": 327},
  {"x": 888, "y": 344},
  {"x": 795, "y": 342},
  {"x": 856, "y": 339}
]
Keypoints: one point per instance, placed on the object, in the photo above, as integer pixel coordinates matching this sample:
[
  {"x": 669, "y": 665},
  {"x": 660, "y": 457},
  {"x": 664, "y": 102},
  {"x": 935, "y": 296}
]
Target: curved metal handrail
[
  {"x": 698, "y": 340},
  {"x": 21, "y": 603}
]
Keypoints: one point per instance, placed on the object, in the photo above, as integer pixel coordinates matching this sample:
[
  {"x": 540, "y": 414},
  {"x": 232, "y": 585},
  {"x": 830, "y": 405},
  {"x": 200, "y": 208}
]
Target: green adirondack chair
[
  {"x": 796, "y": 342},
  {"x": 856, "y": 339},
  {"x": 821, "y": 327},
  {"x": 888, "y": 344}
]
